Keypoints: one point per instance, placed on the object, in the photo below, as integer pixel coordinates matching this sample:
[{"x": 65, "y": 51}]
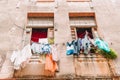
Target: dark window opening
[
  {"x": 82, "y": 31},
  {"x": 38, "y": 33}
]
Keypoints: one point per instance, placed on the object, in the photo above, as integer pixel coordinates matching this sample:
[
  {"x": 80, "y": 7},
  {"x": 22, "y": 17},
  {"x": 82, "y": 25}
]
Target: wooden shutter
[
  {"x": 50, "y": 32},
  {"x": 82, "y": 21},
  {"x": 73, "y": 33},
  {"x": 40, "y": 22},
  {"x": 50, "y": 35}
]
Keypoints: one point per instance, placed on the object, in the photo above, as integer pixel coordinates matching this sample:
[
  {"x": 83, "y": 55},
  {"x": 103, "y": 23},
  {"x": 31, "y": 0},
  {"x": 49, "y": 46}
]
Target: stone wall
[{"x": 13, "y": 20}]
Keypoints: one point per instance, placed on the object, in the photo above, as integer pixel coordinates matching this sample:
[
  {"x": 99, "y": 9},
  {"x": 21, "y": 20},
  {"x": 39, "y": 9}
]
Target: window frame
[{"x": 83, "y": 14}]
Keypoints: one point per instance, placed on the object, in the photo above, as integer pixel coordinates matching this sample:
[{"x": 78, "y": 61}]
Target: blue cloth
[
  {"x": 46, "y": 48},
  {"x": 70, "y": 48},
  {"x": 79, "y": 42},
  {"x": 70, "y": 52},
  {"x": 75, "y": 44},
  {"x": 102, "y": 45},
  {"x": 86, "y": 44}
]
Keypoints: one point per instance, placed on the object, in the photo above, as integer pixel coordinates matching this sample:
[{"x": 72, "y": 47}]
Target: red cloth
[
  {"x": 38, "y": 33},
  {"x": 81, "y": 33}
]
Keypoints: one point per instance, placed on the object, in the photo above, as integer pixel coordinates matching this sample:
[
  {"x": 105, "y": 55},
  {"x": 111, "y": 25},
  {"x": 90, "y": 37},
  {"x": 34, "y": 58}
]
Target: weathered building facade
[{"x": 18, "y": 20}]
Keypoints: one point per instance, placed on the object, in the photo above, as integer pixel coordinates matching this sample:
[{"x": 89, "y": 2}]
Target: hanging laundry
[
  {"x": 40, "y": 48},
  {"x": 55, "y": 53},
  {"x": 50, "y": 65},
  {"x": 102, "y": 45},
  {"x": 18, "y": 57},
  {"x": 36, "y": 48},
  {"x": 13, "y": 56},
  {"x": 26, "y": 52},
  {"x": 76, "y": 44},
  {"x": 46, "y": 48},
  {"x": 92, "y": 41},
  {"x": 70, "y": 48},
  {"x": 43, "y": 40},
  {"x": 79, "y": 42},
  {"x": 86, "y": 43}
]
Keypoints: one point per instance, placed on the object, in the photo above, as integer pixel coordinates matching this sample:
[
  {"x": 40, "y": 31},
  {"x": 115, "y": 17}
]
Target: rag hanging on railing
[
  {"x": 86, "y": 44},
  {"x": 102, "y": 45},
  {"x": 40, "y": 48},
  {"x": 103, "y": 48},
  {"x": 18, "y": 57},
  {"x": 50, "y": 64}
]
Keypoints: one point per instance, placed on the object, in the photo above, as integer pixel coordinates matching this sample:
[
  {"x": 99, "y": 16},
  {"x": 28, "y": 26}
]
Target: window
[
  {"x": 78, "y": 0},
  {"x": 38, "y": 33},
  {"x": 42, "y": 25},
  {"x": 80, "y": 23}
]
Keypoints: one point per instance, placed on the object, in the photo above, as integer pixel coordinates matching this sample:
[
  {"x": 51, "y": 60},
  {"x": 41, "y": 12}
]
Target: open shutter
[
  {"x": 73, "y": 33},
  {"x": 82, "y": 22},
  {"x": 40, "y": 22}
]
